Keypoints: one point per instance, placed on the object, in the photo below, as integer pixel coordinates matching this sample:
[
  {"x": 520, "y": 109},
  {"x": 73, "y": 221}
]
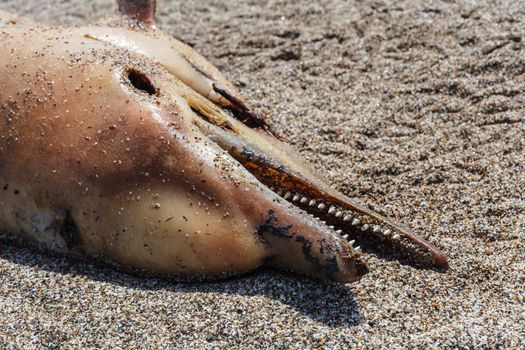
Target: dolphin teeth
[
  {"x": 331, "y": 210},
  {"x": 296, "y": 198},
  {"x": 321, "y": 206},
  {"x": 396, "y": 236},
  {"x": 304, "y": 200},
  {"x": 377, "y": 229},
  {"x": 365, "y": 227},
  {"x": 338, "y": 214},
  {"x": 339, "y": 232},
  {"x": 347, "y": 218},
  {"x": 356, "y": 222},
  {"x": 312, "y": 203},
  {"x": 287, "y": 195},
  {"x": 387, "y": 232},
  {"x": 352, "y": 242},
  {"x": 345, "y": 236}
]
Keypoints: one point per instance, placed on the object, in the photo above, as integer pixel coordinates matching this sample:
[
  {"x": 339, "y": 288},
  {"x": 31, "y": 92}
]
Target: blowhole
[{"x": 140, "y": 81}]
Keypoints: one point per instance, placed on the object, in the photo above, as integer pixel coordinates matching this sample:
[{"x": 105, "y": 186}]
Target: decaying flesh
[{"x": 120, "y": 142}]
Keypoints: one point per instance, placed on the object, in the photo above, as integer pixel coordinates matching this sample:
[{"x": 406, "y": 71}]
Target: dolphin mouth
[
  {"x": 281, "y": 172},
  {"x": 249, "y": 140}
]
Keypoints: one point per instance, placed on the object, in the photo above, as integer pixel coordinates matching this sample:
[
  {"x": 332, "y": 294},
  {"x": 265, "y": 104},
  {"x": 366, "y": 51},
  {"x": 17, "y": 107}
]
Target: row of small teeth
[
  {"x": 311, "y": 203},
  {"x": 338, "y": 213}
]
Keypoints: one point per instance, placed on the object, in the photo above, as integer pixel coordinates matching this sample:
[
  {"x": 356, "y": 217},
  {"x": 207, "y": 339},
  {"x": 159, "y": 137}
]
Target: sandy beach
[{"x": 416, "y": 108}]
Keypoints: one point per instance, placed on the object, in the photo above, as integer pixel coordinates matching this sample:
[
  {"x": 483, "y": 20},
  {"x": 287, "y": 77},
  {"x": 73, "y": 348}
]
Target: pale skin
[{"x": 119, "y": 142}]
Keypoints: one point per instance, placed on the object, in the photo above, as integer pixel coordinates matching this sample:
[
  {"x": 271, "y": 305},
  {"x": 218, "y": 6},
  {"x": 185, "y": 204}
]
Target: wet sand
[{"x": 414, "y": 107}]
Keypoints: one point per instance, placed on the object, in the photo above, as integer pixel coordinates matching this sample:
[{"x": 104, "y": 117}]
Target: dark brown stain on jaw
[
  {"x": 328, "y": 268},
  {"x": 276, "y": 231}
]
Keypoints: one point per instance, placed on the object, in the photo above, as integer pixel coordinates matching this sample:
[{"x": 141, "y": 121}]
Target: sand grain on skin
[{"x": 414, "y": 106}]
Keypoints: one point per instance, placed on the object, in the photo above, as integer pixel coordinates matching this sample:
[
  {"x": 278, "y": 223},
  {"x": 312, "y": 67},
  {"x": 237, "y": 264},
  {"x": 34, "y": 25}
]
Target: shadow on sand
[{"x": 325, "y": 302}]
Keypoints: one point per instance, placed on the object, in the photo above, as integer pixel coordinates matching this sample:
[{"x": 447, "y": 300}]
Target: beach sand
[{"x": 414, "y": 107}]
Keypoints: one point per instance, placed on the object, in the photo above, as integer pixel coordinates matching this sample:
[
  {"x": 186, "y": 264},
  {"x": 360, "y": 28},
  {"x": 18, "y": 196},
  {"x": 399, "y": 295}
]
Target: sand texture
[{"x": 416, "y": 107}]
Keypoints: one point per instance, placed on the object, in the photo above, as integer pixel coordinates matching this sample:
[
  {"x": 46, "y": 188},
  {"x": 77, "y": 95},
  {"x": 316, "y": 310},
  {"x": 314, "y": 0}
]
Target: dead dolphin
[{"x": 120, "y": 142}]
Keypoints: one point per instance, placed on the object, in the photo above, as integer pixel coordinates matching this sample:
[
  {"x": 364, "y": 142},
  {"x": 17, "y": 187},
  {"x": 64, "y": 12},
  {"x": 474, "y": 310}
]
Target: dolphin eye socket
[{"x": 140, "y": 81}]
